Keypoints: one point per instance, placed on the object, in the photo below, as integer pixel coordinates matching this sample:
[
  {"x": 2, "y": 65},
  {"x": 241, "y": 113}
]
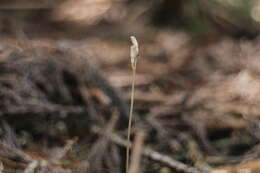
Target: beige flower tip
[{"x": 134, "y": 50}]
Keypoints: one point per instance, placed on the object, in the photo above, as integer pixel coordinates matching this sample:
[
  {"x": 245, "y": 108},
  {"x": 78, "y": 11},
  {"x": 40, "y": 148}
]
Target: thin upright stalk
[
  {"x": 130, "y": 117},
  {"x": 134, "y": 52}
]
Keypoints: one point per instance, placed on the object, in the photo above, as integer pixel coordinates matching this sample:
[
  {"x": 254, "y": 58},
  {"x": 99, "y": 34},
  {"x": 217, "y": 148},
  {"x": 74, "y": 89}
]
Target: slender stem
[{"x": 130, "y": 117}]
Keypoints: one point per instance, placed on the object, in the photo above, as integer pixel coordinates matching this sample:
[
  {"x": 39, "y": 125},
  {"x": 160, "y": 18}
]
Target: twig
[
  {"x": 33, "y": 164},
  {"x": 68, "y": 146},
  {"x": 31, "y": 167},
  {"x": 100, "y": 148},
  {"x": 19, "y": 153},
  {"x": 137, "y": 152},
  {"x": 134, "y": 51},
  {"x": 1, "y": 167},
  {"x": 171, "y": 162}
]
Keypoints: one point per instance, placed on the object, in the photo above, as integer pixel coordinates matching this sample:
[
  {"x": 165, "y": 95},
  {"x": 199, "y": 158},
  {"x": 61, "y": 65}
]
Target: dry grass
[{"x": 134, "y": 51}]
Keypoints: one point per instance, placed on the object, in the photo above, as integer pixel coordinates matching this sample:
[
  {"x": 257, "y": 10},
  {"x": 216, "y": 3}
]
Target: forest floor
[{"x": 196, "y": 100}]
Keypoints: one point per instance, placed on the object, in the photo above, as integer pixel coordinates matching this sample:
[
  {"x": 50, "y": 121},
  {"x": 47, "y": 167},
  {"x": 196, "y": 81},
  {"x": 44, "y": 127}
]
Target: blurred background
[{"x": 198, "y": 75}]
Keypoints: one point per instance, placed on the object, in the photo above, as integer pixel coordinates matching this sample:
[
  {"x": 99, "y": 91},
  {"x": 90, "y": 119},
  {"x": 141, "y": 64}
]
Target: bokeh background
[{"x": 197, "y": 83}]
